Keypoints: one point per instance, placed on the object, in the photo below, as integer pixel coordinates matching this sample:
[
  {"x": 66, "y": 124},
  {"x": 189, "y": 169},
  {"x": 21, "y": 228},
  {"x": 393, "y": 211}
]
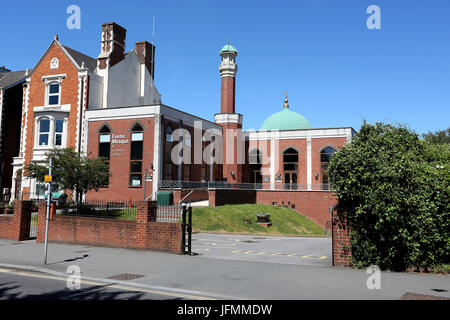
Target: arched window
[
  {"x": 137, "y": 152},
  {"x": 325, "y": 156},
  {"x": 104, "y": 145},
  {"x": 137, "y": 127},
  {"x": 104, "y": 148},
  {"x": 44, "y": 131},
  {"x": 290, "y": 166}
]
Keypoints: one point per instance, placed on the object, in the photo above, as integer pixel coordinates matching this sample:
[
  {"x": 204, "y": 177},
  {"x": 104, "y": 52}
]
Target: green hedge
[{"x": 395, "y": 188}]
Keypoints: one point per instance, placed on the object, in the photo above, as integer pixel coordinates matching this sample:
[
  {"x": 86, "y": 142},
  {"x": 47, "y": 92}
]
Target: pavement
[{"x": 204, "y": 276}]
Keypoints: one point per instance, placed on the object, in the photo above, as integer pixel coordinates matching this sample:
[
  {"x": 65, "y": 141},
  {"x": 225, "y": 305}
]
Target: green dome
[
  {"x": 286, "y": 120},
  {"x": 228, "y": 48}
]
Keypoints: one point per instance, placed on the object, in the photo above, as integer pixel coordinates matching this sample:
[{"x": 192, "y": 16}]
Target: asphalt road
[
  {"x": 32, "y": 285},
  {"x": 270, "y": 249},
  {"x": 170, "y": 276}
]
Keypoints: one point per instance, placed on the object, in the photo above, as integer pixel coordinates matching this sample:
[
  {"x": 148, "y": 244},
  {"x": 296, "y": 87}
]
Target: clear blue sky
[{"x": 336, "y": 71}]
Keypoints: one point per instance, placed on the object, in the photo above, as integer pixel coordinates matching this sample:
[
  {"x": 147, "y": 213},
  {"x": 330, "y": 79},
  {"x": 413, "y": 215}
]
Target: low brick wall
[
  {"x": 196, "y": 195},
  {"x": 314, "y": 205},
  {"x": 16, "y": 226},
  {"x": 220, "y": 197},
  {"x": 144, "y": 233},
  {"x": 341, "y": 239}
]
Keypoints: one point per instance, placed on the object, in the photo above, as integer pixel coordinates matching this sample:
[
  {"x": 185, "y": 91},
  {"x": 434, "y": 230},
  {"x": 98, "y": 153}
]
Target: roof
[
  {"x": 8, "y": 79},
  {"x": 286, "y": 120},
  {"x": 79, "y": 57},
  {"x": 75, "y": 56},
  {"x": 228, "y": 48}
]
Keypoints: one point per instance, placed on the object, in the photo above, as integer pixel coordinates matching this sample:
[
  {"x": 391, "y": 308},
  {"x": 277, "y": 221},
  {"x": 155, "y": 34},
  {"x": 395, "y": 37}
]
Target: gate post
[
  {"x": 189, "y": 230},
  {"x": 183, "y": 230},
  {"x": 22, "y": 219},
  {"x": 341, "y": 239}
]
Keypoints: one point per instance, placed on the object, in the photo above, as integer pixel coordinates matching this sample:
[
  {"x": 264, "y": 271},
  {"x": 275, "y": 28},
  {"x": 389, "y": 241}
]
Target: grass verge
[{"x": 242, "y": 219}]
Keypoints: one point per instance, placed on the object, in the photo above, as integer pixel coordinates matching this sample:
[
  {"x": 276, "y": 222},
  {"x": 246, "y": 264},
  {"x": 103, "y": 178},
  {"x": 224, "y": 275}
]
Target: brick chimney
[
  {"x": 113, "y": 45},
  {"x": 146, "y": 54}
]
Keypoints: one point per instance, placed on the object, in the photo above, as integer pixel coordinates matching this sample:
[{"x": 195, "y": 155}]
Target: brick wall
[
  {"x": 312, "y": 204},
  {"x": 16, "y": 226},
  {"x": 144, "y": 233},
  {"x": 120, "y": 159},
  {"x": 220, "y": 197},
  {"x": 196, "y": 195},
  {"x": 341, "y": 238}
]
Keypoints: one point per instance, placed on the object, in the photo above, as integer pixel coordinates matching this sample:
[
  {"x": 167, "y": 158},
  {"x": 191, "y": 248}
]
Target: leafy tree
[
  {"x": 395, "y": 189},
  {"x": 438, "y": 137},
  {"x": 72, "y": 171}
]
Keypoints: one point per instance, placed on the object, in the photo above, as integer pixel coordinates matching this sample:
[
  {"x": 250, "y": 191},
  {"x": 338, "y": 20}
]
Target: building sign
[{"x": 119, "y": 139}]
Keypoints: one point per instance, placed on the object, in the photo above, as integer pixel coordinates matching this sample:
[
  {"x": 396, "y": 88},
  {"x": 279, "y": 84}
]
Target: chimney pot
[
  {"x": 146, "y": 54},
  {"x": 113, "y": 45}
]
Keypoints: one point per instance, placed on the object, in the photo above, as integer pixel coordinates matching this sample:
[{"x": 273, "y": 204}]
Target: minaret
[
  {"x": 230, "y": 121},
  {"x": 228, "y": 69}
]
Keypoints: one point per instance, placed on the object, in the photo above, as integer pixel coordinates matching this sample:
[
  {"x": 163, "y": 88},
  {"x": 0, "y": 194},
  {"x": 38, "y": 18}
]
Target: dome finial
[{"x": 286, "y": 105}]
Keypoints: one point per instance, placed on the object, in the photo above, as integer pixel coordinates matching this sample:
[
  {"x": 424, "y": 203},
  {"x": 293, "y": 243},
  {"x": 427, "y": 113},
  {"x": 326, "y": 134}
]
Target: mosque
[{"x": 109, "y": 107}]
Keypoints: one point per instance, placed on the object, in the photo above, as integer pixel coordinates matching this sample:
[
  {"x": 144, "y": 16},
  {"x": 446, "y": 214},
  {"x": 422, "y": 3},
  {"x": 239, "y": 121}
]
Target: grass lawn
[{"x": 242, "y": 219}]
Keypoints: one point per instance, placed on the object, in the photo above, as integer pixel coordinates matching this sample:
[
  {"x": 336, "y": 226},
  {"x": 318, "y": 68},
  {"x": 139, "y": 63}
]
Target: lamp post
[{"x": 47, "y": 215}]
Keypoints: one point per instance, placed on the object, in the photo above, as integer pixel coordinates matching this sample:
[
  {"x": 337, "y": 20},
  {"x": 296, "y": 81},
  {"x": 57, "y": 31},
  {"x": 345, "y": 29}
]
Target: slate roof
[
  {"x": 9, "y": 78},
  {"x": 79, "y": 57}
]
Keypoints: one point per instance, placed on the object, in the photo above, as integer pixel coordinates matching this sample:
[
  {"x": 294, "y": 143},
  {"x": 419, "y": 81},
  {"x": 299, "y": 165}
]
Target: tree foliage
[
  {"x": 438, "y": 137},
  {"x": 72, "y": 171},
  {"x": 395, "y": 189}
]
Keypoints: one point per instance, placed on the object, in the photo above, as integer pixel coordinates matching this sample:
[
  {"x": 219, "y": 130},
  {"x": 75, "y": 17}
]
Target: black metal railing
[
  {"x": 123, "y": 210},
  {"x": 169, "y": 213},
  {"x": 175, "y": 184}
]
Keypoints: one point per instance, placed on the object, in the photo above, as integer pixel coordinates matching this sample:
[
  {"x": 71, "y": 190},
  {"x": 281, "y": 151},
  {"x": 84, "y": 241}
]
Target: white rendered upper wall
[{"x": 126, "y": 84}]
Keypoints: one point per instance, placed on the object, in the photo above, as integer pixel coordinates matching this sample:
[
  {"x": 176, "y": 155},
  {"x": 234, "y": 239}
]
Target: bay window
[
  {"x": 44, "y": 131},
  {"x": 50, "y": 132}
]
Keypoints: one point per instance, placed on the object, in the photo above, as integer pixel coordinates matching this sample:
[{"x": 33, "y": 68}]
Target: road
[
  {"x": 270, "y": 249},
  {"x": 32, "y": 285},
  {"x": 156, "y": 275}
]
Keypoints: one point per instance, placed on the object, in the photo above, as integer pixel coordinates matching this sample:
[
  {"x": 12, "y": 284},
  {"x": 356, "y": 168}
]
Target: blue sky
[{"x": 337, "y": 72}]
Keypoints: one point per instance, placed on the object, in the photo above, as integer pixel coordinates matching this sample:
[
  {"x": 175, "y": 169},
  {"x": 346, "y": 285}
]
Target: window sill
[{"x": 53, "y": 108}]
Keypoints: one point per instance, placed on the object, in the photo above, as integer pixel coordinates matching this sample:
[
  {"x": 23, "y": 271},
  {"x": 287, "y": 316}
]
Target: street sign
[{"x": 48, "y": 178}]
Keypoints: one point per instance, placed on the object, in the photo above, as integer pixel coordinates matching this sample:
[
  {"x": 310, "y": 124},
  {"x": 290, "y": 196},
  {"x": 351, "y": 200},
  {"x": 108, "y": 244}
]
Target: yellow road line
[
  {"x": 115, "y": 286},
  {"x": 306, "y": 256}
]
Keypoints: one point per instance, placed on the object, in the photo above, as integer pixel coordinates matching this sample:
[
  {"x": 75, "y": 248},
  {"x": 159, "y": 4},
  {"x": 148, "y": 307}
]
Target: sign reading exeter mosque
[{"x": 117, "y": 140}]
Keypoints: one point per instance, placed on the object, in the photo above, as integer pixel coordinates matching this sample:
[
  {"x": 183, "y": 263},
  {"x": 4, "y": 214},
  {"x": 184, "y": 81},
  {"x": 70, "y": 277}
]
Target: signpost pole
[{"x": 47, "y": 216}]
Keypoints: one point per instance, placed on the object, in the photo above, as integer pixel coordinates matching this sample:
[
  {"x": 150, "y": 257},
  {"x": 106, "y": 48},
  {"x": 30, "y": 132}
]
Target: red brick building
[{"x": 109, "y": 107}]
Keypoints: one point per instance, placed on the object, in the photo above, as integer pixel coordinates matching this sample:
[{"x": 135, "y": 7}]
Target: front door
[{"x": 290, "y": 180}]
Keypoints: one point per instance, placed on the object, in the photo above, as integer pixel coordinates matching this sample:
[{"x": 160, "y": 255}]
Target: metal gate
[
  {"x": 33, "y": 226},
  {"x": 186, "y": 230},
  {"x": 33, "y": 219}
]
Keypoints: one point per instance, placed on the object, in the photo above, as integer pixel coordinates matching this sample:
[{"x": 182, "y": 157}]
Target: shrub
[{"x": 395, "y": 189}]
